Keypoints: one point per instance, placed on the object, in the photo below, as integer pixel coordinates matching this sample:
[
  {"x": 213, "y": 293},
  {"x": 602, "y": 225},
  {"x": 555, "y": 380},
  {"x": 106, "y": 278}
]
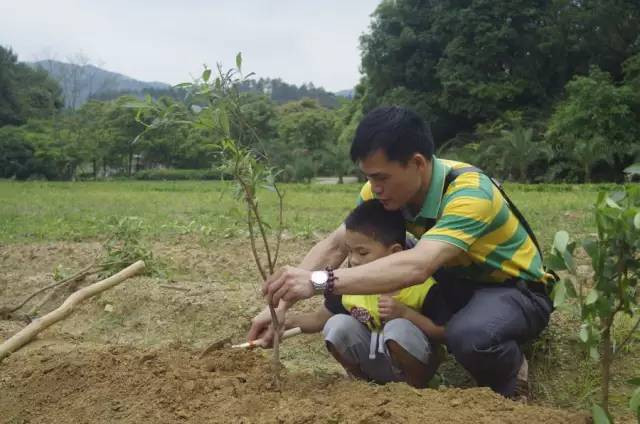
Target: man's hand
[
  {"x": 289, "y": 284},
  {"x": 390, "y": 309},
  {"x": 261, "y": 327}
]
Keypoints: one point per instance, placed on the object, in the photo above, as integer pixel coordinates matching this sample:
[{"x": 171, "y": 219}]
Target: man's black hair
[
  {"x": 373, "y": 220},
  {"x": 398, "y": 131}
]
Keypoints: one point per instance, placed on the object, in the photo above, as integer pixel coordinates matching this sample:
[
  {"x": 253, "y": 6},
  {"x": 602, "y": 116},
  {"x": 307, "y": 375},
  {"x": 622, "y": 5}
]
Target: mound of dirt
[{"x": 69, "y": 383}]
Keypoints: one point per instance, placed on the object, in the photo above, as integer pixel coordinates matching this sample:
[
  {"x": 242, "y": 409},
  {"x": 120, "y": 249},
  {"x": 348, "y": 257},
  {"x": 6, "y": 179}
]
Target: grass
[
  {"x": 46, "y": 211},
  {"x": 30, "y": 212},
  {"x": 38, "y": 211}
]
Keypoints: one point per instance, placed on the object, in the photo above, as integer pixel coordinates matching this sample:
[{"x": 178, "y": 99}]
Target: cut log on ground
[{"x": 25, "y": 335}]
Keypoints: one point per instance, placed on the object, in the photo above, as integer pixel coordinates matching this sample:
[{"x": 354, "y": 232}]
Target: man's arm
[
  {"x": 396, "y": 271},
  {"x": 328, "y": 252},
  {"x": 393, "y": 272}
]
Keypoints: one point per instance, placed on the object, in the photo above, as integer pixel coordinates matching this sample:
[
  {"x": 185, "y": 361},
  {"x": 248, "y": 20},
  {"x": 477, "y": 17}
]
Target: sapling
[
  {"x": 217, "y": 109},
  {"x": 615, "y": 254}
]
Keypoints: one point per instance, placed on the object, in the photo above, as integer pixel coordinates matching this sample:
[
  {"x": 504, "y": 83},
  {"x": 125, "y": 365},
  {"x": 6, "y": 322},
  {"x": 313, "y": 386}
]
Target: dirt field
[{"x": 131, "y": 354}]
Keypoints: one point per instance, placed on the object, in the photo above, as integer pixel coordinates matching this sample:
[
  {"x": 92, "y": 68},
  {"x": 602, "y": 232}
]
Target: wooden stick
[
  {"x": 25, "y": 335},
  {"x": 259, "y": 342},
  {"x": 77, "y": 276}
]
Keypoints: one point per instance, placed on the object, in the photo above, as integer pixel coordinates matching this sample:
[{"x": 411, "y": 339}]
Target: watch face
[{"x": 319, "y": 277}]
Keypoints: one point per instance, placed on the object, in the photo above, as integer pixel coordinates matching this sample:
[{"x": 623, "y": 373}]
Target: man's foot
[{"x": 521, "y": 392}]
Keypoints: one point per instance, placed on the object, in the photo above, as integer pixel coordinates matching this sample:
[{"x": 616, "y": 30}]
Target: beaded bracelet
[{"x": 330, "y": 281}]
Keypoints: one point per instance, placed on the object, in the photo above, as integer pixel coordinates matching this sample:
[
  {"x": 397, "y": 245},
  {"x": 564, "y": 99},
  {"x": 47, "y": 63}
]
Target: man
[{"x": 486, "y": 262}]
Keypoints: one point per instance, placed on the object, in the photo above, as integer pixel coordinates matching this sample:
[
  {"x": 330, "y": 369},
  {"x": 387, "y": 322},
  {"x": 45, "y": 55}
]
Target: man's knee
[{"x": 467, "y": 340}]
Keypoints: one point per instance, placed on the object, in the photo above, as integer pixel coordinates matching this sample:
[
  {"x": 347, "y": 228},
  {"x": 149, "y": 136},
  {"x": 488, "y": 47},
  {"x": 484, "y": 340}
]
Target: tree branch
[{"x": 627, "y": 339}]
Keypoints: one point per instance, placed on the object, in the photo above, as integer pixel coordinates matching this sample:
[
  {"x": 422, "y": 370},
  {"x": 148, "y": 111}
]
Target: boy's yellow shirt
[{"x": 412, "y": 297}]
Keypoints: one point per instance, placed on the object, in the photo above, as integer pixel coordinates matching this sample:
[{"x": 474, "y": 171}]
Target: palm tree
[
  {"x": 586, "y": 153},
  {"x": 517, "y": 151}
]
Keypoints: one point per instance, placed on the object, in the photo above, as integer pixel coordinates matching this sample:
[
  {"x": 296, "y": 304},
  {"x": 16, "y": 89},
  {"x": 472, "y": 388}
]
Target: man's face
[
  {"x": 393, "y": 183},
  {"x": 362, "y": 249}
]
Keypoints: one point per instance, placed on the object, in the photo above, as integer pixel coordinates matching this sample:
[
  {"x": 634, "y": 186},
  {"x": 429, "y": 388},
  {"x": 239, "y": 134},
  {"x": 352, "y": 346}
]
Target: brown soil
[
  {"x": 66, "y": 383},
  {"x": 135, "y": 361}
]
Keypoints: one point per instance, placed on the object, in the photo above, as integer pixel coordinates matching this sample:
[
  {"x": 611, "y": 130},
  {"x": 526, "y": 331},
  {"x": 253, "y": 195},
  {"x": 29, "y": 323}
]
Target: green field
[
  {"x": 193, "y": 224},
  {"x": 41, "y": 211}
]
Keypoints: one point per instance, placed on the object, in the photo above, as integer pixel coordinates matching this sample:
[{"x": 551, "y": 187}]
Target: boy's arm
[
  {"x": 390, "y": 309},
  {"x": 424, "y": 323},
  {"x": 309, "y": 322}
]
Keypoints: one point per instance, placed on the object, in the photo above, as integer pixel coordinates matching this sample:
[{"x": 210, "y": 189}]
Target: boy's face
[{"x": 363, "y": 249}]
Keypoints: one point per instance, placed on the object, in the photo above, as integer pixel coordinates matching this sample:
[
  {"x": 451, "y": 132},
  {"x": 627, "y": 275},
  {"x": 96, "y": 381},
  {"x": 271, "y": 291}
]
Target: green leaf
[
  {"x": 223, "y": 120},
  {"x": 633, "y": 169},
  {"x": 584, "y": 334},
  {"x": 568, "y": 260},
  {"x": 559, "y": 293},
  {"x": 636, "y": 221},
  {"x": 599, "y": 416},
  {"x": 206, "y": 74},
  {"x": 239, "y": 61},
  {"x": 634, "y": 381},
  {"x": 571, "y": 290},
  {"x": 618, "y": 196},
  {"x": 591, "y": 247},
  {"x": 555, "y": 262},
  {"x": 560, "y": 241},
  {"x": 591, "y": 297},
  {"x": 611, "y": 203},
  {"x": 137, "y": 104},
  {"x": 594, "y": 353},
  {"x": 634, "y": 402},
  {"x": 183, "y": 85}
]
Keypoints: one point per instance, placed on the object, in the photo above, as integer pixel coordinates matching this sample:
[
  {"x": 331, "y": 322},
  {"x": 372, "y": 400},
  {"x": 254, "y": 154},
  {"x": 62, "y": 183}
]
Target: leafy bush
[
  {"x": 170, "y": 174},
  {"x": 614, "y": 257}
]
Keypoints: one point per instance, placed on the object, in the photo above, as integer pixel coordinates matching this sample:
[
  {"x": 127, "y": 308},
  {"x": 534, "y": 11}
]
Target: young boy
[{"x": 386, "y": 337}]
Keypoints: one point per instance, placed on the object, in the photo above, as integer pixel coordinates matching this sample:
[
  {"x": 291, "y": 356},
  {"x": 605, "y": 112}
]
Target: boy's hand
[
  {"x": 261, "y": 325},
  {"x": 390, "y": 309}
]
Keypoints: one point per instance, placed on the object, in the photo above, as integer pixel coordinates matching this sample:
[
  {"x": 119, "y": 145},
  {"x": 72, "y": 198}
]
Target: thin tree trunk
[
  {"x": 607, "y": 355},
  {"x": 587, "y": 174}
]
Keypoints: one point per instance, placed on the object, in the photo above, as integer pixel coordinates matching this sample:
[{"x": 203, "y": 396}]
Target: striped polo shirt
[{"x": 473, "y": 215}]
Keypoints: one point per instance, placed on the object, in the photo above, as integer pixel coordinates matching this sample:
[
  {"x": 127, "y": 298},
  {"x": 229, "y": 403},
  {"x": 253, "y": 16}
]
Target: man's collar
[{"x": 431, "y": 203}]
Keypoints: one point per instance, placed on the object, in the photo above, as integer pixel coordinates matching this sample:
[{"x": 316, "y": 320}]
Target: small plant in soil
[
  {"x": 216, "y": 110},
  {"x": 615, "y": 259},
  {"x": 125, "y": 245}
]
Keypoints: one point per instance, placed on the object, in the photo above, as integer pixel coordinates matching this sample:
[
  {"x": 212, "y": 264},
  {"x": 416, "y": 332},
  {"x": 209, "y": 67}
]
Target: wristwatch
[
  {"x": 323, "y": 281},
  {"x": 319, "y": 281}
]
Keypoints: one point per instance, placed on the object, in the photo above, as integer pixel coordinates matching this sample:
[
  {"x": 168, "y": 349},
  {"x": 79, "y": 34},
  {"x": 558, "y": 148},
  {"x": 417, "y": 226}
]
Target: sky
[{"x": 169, "y": 41}]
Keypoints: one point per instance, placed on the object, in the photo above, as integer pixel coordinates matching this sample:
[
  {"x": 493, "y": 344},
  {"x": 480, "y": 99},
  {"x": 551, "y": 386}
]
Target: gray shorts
[{"x": 357, "y": 344}]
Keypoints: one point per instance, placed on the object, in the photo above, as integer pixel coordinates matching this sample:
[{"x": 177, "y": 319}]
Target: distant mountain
[
  {"x": 346, "y": 93},
  {"x": 80, "y": 82}
]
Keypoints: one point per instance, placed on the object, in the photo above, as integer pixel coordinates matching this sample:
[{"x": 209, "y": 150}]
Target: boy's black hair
[
  {"x": 398, "y": 131},
  {"x": 373, "y": 220}
]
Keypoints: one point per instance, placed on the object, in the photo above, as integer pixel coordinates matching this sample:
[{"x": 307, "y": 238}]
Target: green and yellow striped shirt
[{"x": 473, "y": 215}]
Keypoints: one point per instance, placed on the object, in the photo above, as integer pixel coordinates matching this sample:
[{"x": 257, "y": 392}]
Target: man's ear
[
  {"x": 419, "y": 160},
  {"x": 396, "y": 247}
]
